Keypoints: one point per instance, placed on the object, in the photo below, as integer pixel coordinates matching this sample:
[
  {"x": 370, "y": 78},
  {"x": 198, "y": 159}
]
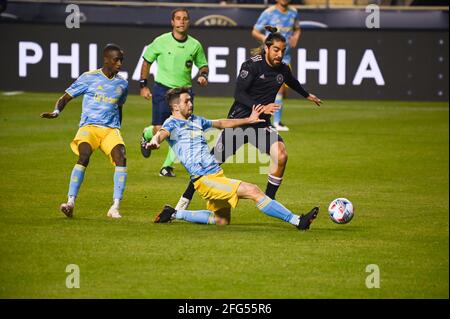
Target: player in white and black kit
[{"x": 258, "y": 82}]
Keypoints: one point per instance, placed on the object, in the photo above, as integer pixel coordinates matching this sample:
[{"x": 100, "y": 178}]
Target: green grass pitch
[{"x": 389, "y": 158}]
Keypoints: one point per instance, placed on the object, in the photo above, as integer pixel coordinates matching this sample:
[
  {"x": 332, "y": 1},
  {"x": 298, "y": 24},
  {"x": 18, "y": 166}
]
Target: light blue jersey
[
  {"x": 102, "y": 97},
  {"x": 286, "y": 23},
  {"x": 189, "y": 144}
]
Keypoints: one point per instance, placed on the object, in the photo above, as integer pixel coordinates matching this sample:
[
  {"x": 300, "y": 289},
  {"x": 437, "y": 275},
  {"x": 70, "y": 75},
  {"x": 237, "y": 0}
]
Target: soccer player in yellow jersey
[{"x": 105, "y": 92}]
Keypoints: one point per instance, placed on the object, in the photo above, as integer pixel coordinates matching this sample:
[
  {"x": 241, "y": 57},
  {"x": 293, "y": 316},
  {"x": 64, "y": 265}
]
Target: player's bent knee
[
  {"x": 256, "y": 190},
  {"x": 118, "y": 155},
  {"x": 253, "y": 191},
  {"x": 120, "y": 161},
  {"x": 83, "y": 159},
  {"x": 282, "y": 157}
]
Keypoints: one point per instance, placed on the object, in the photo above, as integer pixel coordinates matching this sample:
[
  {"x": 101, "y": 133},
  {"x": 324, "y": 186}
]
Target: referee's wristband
[{"x": 143, "y": 83}]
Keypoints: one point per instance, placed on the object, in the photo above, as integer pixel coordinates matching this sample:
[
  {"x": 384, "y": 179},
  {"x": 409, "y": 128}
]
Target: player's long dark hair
[{"x": 271, "y": 38}]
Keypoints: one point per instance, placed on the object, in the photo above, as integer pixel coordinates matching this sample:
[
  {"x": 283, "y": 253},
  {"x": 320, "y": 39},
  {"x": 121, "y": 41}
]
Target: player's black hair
[
  {"x": 174, "y": 94},
  {"x": 174, "y": 11},
  {"x": 273, "y": 36},
  {"x": 111, "y": 47}
]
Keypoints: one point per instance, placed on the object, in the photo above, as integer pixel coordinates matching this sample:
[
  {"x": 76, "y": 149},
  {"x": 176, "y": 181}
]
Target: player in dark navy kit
[{"x": 258, "y": 82}]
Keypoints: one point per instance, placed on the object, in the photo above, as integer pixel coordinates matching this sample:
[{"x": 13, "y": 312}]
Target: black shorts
[
  {"x": 160, "y": 108},
  {"x": 231, "y": 139}
]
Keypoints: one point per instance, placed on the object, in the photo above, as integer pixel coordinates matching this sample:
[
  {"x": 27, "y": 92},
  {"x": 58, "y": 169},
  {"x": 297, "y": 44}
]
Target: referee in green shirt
[{"x": 175, "y": 52}]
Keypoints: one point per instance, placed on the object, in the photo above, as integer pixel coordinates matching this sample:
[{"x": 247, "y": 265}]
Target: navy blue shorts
[{"x": 160, "y": 108}]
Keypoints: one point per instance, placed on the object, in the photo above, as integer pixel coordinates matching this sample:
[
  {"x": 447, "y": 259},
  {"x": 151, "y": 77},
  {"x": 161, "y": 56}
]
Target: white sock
[
  {"x": 295, "y": 220},
  {"x": 116, "y": 203},
  {"x": 182, "y": 204},
  {"x": 71, "y": 200}
]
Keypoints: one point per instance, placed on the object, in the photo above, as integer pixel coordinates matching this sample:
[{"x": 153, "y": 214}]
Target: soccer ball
[{"x": 341, "y": 210}]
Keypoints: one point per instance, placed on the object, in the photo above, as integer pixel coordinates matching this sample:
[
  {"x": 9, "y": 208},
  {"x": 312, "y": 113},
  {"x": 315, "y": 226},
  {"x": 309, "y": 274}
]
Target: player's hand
[
  {"x": 256, "y": 112},
  {"x": 49, "y": 115},
  {"x": 314, "y": 99},
  {"x": 145, "y": 93},
  {"x": 153, "y": 144},
  {"x": 271, "y": 108},
  {"x": 202, "y": 81}
]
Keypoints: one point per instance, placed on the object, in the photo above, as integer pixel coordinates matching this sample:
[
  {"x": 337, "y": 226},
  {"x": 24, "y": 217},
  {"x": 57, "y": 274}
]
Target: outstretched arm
[
  {"x": 294, "y": 84},
  {"x": 59, "y": 106},
  {"x": 156, "y": 141},
  {"x": 253, "y": 118}
]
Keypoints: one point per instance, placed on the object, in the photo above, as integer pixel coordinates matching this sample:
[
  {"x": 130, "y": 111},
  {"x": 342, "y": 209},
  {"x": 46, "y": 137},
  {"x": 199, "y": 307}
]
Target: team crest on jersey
[
  {"x": 280, "y": 78},
  {"x": 243, "y": 74},
  {"x": 119, "y": 90}
]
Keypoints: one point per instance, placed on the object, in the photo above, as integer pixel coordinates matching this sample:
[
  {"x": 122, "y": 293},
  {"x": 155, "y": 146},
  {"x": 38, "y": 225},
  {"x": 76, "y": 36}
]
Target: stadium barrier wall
[
  {"x": 234, "y": 16},
  {"x": 334, "y": 64}
]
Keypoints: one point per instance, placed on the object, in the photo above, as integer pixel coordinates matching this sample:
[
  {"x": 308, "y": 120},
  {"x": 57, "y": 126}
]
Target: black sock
[
  {"x": 189, "y": 192},
  {"x": 272, "y": 185}
]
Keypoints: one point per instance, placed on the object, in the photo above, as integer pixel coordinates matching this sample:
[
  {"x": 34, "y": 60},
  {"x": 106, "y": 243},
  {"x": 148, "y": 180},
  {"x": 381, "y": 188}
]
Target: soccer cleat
[
  {"x": 182, "y": 204},
  {"x": 144, "y": 151},
  {"x": 147, "y": 135},
  {"x": 114, "y": 213},
  {"x": 167, "y": 172},
  {"x": 306, "y": 220},
  {"x": 281, "y": 127},
  {"x": 67, "y": 209},
  {"x": 165, "y": 215}
]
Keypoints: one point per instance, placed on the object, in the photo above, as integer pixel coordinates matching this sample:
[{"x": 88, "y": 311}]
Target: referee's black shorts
[
  {"x": 231, "y": 139},
  {"x": 160, "y": 108}
]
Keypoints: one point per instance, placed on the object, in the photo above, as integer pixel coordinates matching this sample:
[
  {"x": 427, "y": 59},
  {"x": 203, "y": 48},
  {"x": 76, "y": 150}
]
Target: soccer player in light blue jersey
[
  {"x": 285, "y": 19},
  {"x": 105, "y": 93},
  {"x": 184, "y": 132}
]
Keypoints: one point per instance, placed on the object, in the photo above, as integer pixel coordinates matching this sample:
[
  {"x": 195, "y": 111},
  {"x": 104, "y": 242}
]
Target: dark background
[{"x": 414, "y": 63}]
